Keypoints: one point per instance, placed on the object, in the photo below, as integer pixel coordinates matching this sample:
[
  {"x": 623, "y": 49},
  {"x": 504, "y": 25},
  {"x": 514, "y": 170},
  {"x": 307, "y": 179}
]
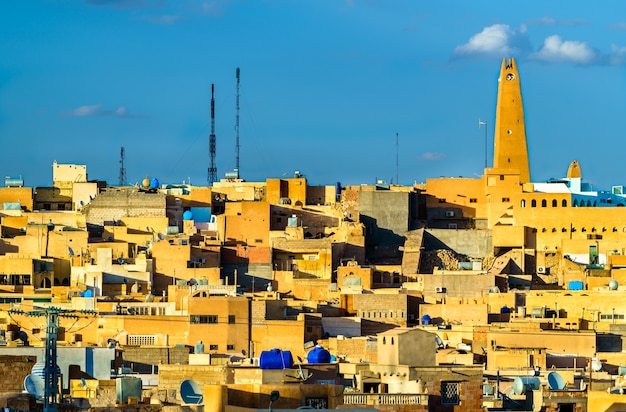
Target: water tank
[
  {"x": 154, "y": 183},
  {"x": 275, "y": 359},
  {"x": 187, "y": 215},
  {"x": 318, "y": 355},
  {"x": 426, "y": 320},
  {"x": 145, "y": 182},
  {"x": 575, "y": 285},
  {"x": 523, "y": 383},
  {"x": 505, "y": 309},
  {"x": 127, "y": 387},
  {"x": 199, "y": 347}
]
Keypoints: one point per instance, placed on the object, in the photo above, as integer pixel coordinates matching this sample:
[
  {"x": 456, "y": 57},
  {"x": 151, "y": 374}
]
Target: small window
[
  {"x": 230, "y": 347},
  {"x": 554, "y": 203},
  {"x": 533, "y": 203},
  {"x": 506, "y": 200},
  {"x": 231, "y": 319},
  {"x": 523, "y": 203},
  {"x": 473, "y": 200},
  {"x": 544, "y": 203},
  {"x": 213, "y": 347},
  {"x": 502, "y": 176},
  {"x": 450, "y": 393},
  {"x": 564, "y": 203}
]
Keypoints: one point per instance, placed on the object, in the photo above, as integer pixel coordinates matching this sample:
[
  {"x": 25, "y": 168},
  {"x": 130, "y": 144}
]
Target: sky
[{"x": 349, "y": 91}]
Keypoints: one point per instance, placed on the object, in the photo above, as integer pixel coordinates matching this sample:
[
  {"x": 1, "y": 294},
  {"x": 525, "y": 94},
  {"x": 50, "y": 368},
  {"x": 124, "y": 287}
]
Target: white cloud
[
  {"x": 85, "y": 111},
  {"x": 498, "y": 40},
  {"x": 96, "y": 110},
  {"x": 556, "y": 50},
  {"x": 431, "y": 156},
  {"x": 551, "y": 21},
  {"x": 618, "y": 26}
]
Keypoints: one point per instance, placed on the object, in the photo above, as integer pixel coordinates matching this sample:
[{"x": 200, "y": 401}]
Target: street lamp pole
[{"x": 481, "y": 123}]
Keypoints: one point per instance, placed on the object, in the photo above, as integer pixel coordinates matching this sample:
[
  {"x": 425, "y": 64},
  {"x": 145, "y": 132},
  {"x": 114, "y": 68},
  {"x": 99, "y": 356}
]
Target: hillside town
[{"x": 457, "y": 294}]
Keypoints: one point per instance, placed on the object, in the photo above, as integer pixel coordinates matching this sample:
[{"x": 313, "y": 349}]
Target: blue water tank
[
  {"x": 575, "y": 285},
  {"x": 199, "y": 347},
  {"x": 318, "y": 355},
  {"x": 275, "y": 359},
  {"x": 154, "y": 183},
  {"x": 87, "y": 293},
  {"x": 426, "y": 320},
  {"x": 505, "y": 309},
  {"x": 187, "y": 215}
]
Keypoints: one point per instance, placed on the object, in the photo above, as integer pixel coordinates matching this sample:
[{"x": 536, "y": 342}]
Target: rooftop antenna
[
  {"x": 237, "y": 123},
  {"x": 122, "y": 168},
  {"x": 212, "y": 178}
]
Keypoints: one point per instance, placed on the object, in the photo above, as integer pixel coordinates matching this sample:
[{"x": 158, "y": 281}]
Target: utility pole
[{"x": 51, "y": 376}]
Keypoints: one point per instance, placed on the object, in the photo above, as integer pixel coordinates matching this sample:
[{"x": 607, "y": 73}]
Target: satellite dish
[
  {"x": 191, "y": 392},
  {"x": 35, "y": 385},
  {"x": 69, "y": 249},
  {"x": 161, "y": 236},
  {"x": 556, "y": 381},
  {"x": 596, "y": 365},
  {"x": 120, "y": 260}
]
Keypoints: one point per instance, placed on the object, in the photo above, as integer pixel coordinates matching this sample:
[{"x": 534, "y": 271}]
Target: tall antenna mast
[
  {"x": 237, "y": 125},
  {"x": 212, "y": 178},
  {"x": 122, "y": 168}
]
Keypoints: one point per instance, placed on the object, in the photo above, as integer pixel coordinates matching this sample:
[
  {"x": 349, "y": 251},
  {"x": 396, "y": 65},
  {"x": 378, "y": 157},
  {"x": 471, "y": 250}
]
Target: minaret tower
[{"x": 510, "y": 149}]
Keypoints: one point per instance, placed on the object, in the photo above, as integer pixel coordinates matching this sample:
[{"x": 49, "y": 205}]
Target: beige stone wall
[
  {"x": 68, "y": 172},
  {"x": 226, "y": 331},
  {"x": 23, "y": 195}
]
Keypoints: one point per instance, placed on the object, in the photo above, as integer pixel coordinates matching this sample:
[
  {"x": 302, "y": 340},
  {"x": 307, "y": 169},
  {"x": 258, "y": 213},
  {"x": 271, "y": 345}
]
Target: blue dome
[
  {"x": 318, "y": 355},
  {"x": 187, "y": 215},
  {"x": 154, "y": 183},
  {"x": 426, "y": 320}
]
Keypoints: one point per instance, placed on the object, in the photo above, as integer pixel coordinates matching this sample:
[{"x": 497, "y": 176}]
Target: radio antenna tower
[
  {"x": 122, "y": 168},
  {"x": 237, "y": 125},
  {"x": 212, "y": 168}
]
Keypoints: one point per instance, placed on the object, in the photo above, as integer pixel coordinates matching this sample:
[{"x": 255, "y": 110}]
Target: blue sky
[{"x": 325, "y": 87}]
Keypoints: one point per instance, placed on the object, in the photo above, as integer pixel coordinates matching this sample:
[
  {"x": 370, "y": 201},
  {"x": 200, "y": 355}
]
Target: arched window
[
  {"x": 575, "y": 204},
  {"x": 553, "y": 202},
  {"x": 523, "y": 203},
  {"x": 533, "y": 203},
  {"x": 544, "y": 203},
  {"x": 564, "y": 203}
]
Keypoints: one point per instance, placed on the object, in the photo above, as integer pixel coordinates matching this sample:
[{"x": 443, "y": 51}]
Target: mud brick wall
[{"x": 13, "y": 370}]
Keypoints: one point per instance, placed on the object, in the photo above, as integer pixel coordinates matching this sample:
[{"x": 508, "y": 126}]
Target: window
[
  {"x": 505, "y": 200},
  {"x": 141, "y": 340},
  {"x": 450, "y": 393},
  {"x": 554, "y": 203},
  {"x": 231, "y": 319},
  {"x": 230, "y": 347},
  {"x": 564, "y": 203},
  {"x": 533, "y": 203},
  {"x": 544, "y": 203},
  {"x": 473, "y": 200},
  {"x": 198, "y": 319},
  {"x": 523, "y": 203},
  {"x": 213, "y": 347}
]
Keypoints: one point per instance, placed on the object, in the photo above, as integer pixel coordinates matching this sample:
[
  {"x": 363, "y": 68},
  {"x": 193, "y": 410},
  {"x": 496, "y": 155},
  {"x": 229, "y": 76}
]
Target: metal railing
[{"x": 384, "y": 399}]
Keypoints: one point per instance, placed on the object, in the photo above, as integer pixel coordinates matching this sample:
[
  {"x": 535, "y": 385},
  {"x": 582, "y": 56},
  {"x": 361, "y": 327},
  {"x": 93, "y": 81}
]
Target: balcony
[{"x": 375, "y": 399}]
